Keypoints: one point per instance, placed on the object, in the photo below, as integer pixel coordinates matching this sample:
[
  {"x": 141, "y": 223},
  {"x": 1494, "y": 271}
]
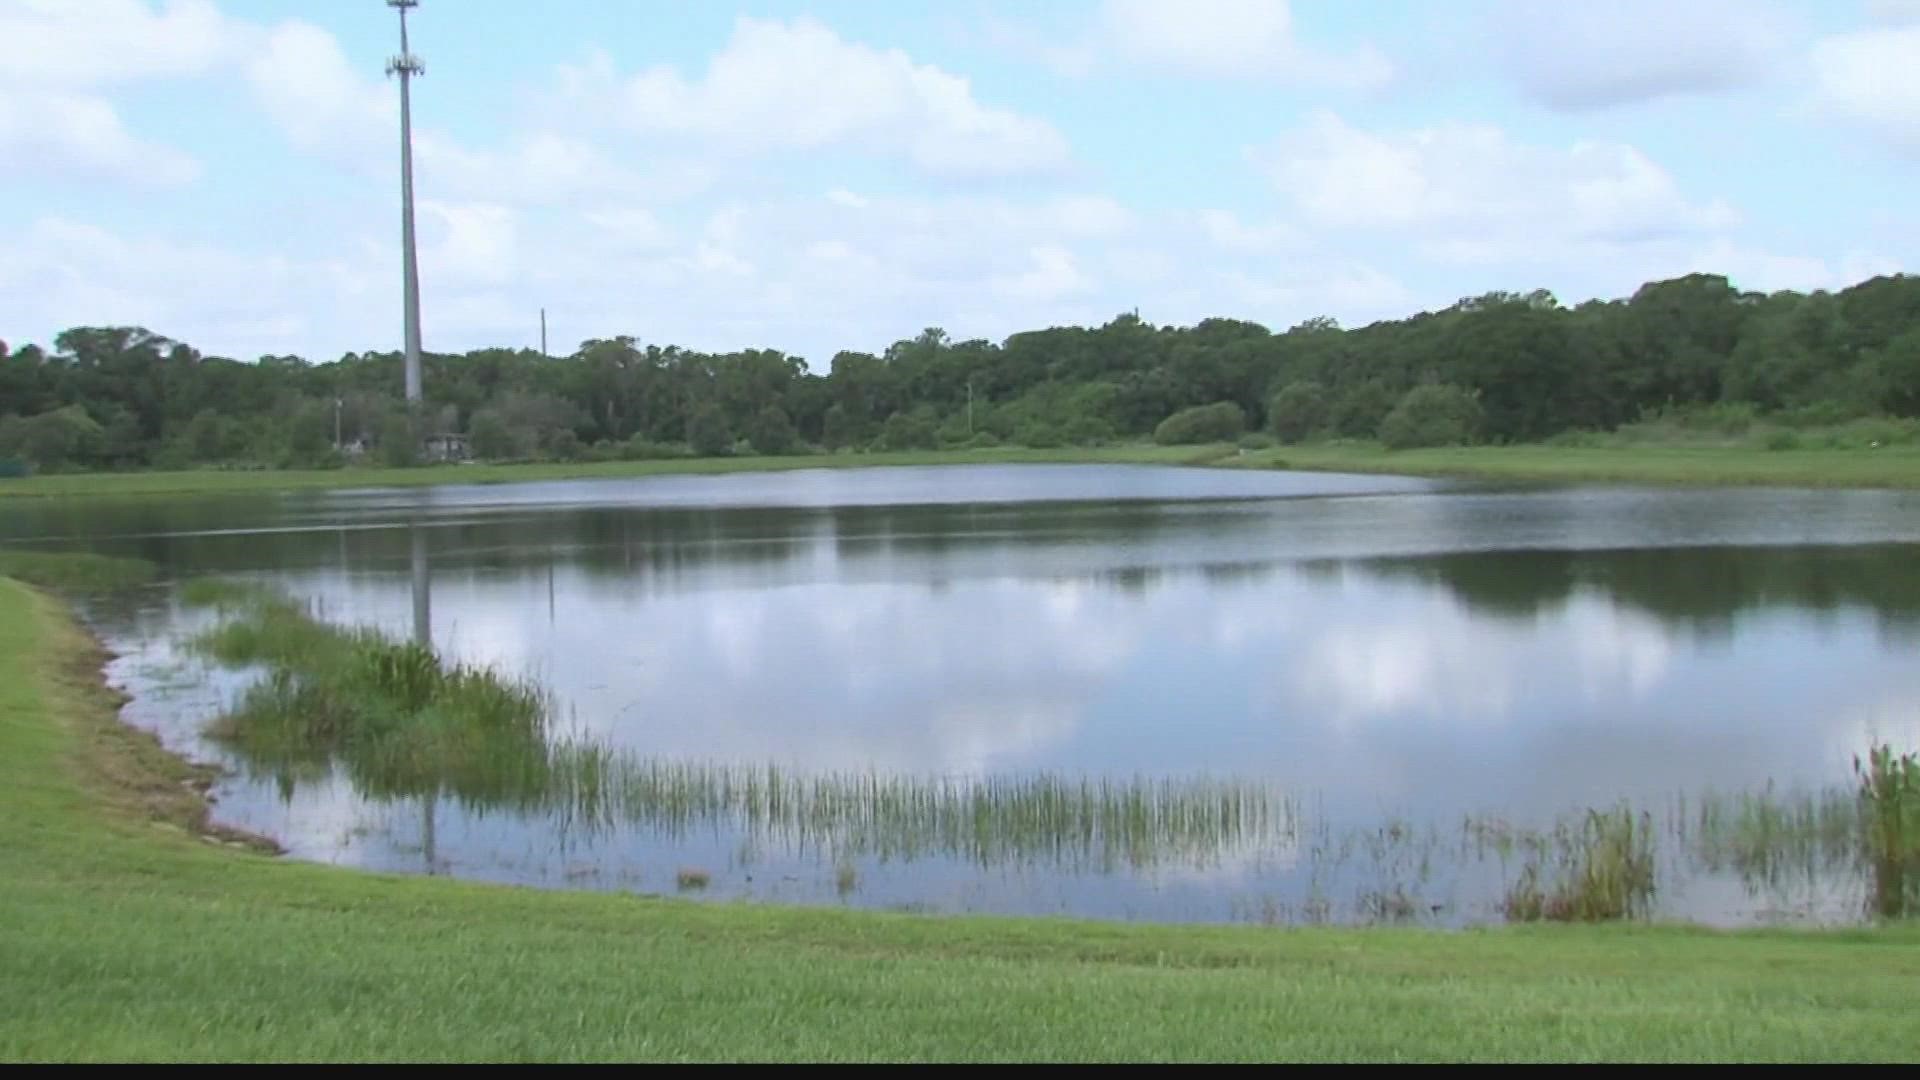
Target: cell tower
[{"x": 406, "y": 65}]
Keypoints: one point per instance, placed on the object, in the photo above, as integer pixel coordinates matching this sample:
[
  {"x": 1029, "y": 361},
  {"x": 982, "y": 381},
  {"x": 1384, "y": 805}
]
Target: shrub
[
  {"x": 1432, "y": 415},
  {"x": 707, "y": 433},
  {"x": 640, "y": 448},
  {"x": 908, "y": 431},
  {"x": 1257, "y": 440},
  {"x": 399, "y": 444},
  {"x": 772, "y": 432},
  {"x": 489, "y": 436},
  {"x": 1222, "y": 421},
  {"x": 1297, "y": 411},
  {"x": 1357, "y": 412}
]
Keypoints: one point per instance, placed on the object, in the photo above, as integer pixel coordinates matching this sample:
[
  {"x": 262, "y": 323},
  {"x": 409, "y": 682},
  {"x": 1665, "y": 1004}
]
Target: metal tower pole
[{"x": 406, "y": 65}]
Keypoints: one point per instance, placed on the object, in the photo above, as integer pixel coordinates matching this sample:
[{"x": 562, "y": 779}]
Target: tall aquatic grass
[
  {"x": 990, "y": 821},
  {"x": 1598, "y": 870},
  {"x": 1890, "y": 794},
  {"x": 403, "y": 722}
]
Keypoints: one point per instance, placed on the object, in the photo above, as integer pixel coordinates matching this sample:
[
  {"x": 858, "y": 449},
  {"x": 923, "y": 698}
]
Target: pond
[{"x": 1107, "y": 691}]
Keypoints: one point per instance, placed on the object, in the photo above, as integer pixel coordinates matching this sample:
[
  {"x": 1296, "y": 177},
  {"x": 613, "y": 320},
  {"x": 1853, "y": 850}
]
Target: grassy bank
[
  {"x": 124, "y": 934},
  {"x": 1885, "y": 467}
]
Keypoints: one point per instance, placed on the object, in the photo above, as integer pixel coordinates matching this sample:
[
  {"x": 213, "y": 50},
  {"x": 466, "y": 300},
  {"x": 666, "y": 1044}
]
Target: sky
[{"x": 820, "y": 176}]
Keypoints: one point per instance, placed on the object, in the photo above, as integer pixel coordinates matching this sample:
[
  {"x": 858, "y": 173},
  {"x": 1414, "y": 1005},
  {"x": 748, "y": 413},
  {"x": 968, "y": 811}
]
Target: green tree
[
  {"x": 1432, "y": 415},
  {"x": 1358, "y": 410},
  {"x": 1222, "y": 421},
  {"x": 489, "y": 438},
  {"x": 909, "y": 431},
  {"x": 399, "y": 442},
  {"x": 1298, "y": 411},
  {"x": 772, "y": 432},
  {"x": 707, "y": 432},
  {"x": 837, "y": 428}
]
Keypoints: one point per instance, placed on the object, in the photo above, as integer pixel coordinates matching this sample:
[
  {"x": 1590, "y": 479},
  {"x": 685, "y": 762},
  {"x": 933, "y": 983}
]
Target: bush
[
  {"x": 1298, "y": 411},
  {"x": 489, "y": 436},
  {"x": 12, "y": 468},
  {"x": 772, "y": 432},
  {"x": 1222, "y": 421},
  {"x": 1087, "y": 431},
  {"x": 983, "y": 439},
  {"x": 1357, "y": 412},
  {"x": 399, "y": 445},
  {"x": 908, "y": 431},
  {"x": 1782, "y": 440},
  {"x": 1257, "y": 440},
  {"x": 1038, "y": 436},
  {"x": 707, "y": 433},
  {"x": 1432, "y": 415},
  {"x": 640, "y": 448},
  {"x": 564, "y": 445}
]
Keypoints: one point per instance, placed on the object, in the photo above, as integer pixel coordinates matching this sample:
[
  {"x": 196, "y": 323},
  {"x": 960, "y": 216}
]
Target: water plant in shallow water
[
  {"x": 1890, "y": 793},
  {"x": 1600, "y": 869},
  {"x": 402, "y": 722}
]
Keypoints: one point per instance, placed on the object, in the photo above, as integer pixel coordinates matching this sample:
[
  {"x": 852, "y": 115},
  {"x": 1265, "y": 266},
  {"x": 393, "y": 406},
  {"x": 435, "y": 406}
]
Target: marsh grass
[
  {"x": 1890, "y": 794},
  {"x": 1772, "y": 838},
  {"x": 1597, "y": 870},
  {"x": 75, "y": 571},
  {"x": 403, "y": 722},
  {"x": 1100, "y": 823}
]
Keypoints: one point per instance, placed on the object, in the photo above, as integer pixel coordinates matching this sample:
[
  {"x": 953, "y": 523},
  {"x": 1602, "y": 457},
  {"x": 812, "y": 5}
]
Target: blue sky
[{"x": 820, "y": 176}]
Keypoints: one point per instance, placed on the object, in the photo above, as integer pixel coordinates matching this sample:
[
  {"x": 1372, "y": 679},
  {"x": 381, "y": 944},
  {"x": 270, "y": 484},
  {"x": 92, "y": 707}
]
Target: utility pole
[
  {"x": 543, "y": 333},
  {"x": 406, "y": 65}
]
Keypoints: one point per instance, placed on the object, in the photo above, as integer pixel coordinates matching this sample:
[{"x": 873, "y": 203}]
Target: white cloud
[
  {"x": 62, "y": 273},
  {"x": 320, "y": 100},
  {"x": 61, "y": 53},
  {"x": 799, "y": 86},
  {"x": 464, "y": 243},
  {"x": 1872, "y": 78},
  {"x": 1052, "y": 272},
  {"x": 1758, "y": 270},
  {"x": 84, "y": 43},
  {"x": 1586, "y": 56},
  {"x": 60, "y": 133},
  {"x": 1236, "y": 38},
  {"x": 1228, "y": 232},
  {"x": 1472, "y": 193}
]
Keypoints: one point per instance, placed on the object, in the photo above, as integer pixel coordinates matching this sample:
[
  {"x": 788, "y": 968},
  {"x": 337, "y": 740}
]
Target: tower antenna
[{"x": 406, "y": 65}]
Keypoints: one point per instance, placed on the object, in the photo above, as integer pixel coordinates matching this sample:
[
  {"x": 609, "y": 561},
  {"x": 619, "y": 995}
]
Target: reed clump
[
  {"x": 1599, "y": 870},
  {"x": 1890, "y": 798}
]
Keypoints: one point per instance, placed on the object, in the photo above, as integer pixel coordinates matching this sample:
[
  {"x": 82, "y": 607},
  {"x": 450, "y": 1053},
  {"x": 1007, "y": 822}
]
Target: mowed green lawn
[
  {"x": 1889, "y": 467},
  {"x": 123, "y": 936}
]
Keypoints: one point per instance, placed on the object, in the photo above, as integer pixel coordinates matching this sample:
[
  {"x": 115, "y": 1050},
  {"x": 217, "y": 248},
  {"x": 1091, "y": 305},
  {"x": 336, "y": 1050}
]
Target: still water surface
[{"x": 1387, "y": 665}]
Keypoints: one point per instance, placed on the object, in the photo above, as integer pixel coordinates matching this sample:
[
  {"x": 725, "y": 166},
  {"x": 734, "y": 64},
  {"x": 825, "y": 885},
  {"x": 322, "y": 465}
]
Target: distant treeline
[{"x": 1499, "y": 368}]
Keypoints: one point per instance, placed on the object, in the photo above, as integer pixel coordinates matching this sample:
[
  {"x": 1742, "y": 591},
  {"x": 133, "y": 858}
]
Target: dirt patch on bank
[{"x": 128, "y": 770}]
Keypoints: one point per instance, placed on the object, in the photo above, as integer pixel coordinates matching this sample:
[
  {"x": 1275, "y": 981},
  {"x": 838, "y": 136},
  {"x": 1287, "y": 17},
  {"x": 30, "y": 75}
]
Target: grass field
[
  {"x": 126, "y": 934},
  {"x": 1887, "y": 467}
]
